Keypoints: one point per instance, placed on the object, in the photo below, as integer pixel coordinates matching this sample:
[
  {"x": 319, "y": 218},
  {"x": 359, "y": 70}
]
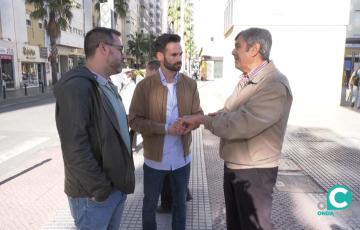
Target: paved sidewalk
[
  {"x": 198, "y": 209},
  {"x": 313, "y": 161}
]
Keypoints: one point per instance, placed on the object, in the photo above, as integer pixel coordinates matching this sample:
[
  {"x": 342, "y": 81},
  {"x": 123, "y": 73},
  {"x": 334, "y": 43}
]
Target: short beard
[{"x": 172, "y": 67}]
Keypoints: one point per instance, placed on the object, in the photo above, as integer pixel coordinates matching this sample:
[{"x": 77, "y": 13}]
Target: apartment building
[
  {"x": 24, "y": 44},
  {"x": 71, "y": 43}
]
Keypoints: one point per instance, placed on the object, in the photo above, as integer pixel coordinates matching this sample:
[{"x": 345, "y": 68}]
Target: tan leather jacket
[
  {"x": 147, "y": 113},
  {"x": 253, "y": 127}
]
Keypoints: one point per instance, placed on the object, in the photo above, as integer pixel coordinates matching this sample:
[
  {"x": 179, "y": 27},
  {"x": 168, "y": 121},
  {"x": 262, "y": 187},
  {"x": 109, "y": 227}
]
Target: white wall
[
  {"x": 72, "y": 38},
  {"x": 88, "y": 15},
  {"x": 308, "y": 47},
  {"x": 209, "y": 23}
]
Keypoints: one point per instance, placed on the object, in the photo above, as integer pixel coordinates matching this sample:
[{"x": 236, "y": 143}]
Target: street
[{"x": 26, "y": 132}]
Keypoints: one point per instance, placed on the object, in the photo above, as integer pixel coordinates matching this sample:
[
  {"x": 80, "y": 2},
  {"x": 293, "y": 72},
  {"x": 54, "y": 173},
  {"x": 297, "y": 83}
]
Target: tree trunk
[{"x": 53, "y": 60}]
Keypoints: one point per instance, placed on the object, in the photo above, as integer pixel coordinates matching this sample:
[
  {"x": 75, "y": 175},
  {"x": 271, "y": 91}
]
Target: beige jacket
[
  {"x": 147, "y": 113},
  {"x": 253, "y": 125}
]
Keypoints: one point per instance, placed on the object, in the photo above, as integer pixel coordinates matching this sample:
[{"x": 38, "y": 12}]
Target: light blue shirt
[
  {"x": 173, "y": 152},
  {"x": 114, "y": 98}
]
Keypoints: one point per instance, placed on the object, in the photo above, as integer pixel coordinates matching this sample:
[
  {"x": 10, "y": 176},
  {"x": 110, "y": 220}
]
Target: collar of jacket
[
  {"x": 268, "y": 71},
  {"x": 157, "y": 79}
]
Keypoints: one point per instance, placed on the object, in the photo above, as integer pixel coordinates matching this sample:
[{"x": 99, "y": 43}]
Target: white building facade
[{"x": 308, "y": 47}]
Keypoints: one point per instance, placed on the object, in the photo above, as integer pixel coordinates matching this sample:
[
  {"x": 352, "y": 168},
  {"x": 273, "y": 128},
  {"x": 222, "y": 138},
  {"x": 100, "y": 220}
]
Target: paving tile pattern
[
  {"x": 317, "y": 154},
  {"x": 198, "y": 210}
]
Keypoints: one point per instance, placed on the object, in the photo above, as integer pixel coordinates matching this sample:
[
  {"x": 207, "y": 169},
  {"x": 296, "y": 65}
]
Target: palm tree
[
  {"x": 121, "y": 7},
  {"x": 190, "y": 48},
  {"x": 58, "y": 16},
  {"x": 150, "y": 43},
  {"x": 174, "y": 15},
  {"x": 138, "y": 46}
]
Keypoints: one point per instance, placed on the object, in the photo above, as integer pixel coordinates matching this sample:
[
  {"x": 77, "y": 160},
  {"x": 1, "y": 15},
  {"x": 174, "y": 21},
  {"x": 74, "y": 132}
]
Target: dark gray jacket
[{"x": 95, "y": 156}]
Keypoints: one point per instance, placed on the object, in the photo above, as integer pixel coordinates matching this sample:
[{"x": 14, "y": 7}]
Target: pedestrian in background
[
  {"x": 157, "y": 103},
  {"x": 251, "y": 126},
  {"x": 353, "y": 97},
  {"x": 94, "y": 135},
  {"x": 152, "y": 67}
]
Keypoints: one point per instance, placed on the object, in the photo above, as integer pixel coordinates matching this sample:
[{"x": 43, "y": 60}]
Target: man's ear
[
  {"x": 255, "y": 49},
  {"x": 102, "y": 48},
  {"x": 159, "y": 56}
]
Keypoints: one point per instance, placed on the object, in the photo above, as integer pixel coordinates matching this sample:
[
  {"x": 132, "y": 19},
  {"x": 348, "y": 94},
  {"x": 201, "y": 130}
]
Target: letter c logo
[{"x": 338, "y": 198}]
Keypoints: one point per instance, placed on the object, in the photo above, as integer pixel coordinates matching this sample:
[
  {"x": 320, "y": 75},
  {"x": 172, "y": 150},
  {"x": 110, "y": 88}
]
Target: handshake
[{"x": 185, "y": 124}]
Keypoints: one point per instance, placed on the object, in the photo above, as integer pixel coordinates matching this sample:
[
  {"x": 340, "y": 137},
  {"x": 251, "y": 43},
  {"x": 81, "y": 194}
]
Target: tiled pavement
[
  {"x": 198, "y": 209},
  {"x": 313, "y": 160}
]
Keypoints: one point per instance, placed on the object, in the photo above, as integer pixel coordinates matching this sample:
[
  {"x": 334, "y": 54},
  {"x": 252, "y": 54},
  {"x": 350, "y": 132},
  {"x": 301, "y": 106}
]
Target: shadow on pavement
[
  {"x": 25, "y": 102},
  {"x": 25, "y": 171}
]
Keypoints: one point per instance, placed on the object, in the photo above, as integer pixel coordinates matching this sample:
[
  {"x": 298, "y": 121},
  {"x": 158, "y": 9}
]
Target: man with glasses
[{"x": 94, "y": 135}]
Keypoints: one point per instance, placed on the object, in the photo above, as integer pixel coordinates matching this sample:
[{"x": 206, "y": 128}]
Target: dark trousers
[
  {"x": 166, "y": 198},
  {"x": 153, "y": 180},
  {"x": 166, "y": 194},
  {"x": 248, "y": 198}
]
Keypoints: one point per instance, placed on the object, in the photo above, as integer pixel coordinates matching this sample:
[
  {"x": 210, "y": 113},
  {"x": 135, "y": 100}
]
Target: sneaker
[{"x": 188, "y": 195}]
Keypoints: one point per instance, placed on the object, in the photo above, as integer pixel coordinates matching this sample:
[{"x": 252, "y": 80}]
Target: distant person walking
[
  {"x": 94, "y": 135},
  {"x": 353, "y": 97}
]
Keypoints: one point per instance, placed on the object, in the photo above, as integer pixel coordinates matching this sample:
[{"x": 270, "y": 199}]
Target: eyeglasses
[{"x": 120, "y": 48}]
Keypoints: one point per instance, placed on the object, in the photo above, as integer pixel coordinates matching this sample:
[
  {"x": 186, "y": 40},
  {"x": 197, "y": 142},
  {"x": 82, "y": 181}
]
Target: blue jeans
[
  {"x": 89, "y": 214},
  {"x": 153, "y": 181}
]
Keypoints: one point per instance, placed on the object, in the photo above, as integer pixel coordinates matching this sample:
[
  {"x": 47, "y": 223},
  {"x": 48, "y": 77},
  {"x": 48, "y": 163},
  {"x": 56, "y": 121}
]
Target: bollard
[
  {"x": 25, "y": 86},
  {"x": 41, "y": 87},
  {"x": 4, "y": 91}
]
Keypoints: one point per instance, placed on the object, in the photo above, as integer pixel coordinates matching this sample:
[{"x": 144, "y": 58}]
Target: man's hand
[
  {"x": 176, "y": 128},
  {"x": 191, "y": 122},
  {"x": 216, "y": 113}
]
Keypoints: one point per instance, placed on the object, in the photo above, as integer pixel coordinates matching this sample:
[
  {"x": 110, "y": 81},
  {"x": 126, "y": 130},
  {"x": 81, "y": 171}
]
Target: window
[{"x": 40, "y": 25}]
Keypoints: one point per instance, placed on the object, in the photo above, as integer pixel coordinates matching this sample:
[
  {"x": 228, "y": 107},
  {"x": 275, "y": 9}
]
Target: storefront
[
  {"x": 34, "y": 65},
  {"x": 69, "y": 58},
  {"x": 6, "y": 68}
]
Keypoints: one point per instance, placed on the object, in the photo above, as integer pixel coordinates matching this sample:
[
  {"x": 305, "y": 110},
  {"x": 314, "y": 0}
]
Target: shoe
[
  {"x": 188, "y": 195},
  {"x": 161, "y": 209}
]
